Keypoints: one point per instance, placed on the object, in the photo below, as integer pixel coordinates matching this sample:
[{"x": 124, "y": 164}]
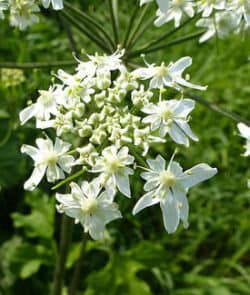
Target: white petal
[
  {"x": 180, "y": 65},
  {"x": 185, "y": 83},
  {"x": 170, "y": 214},
  {"x": 35, "y": 178},
  {"x": 184, "y": 107},
  {"x": 244, "y": 130},
  {"x": 61, "y": 147},
  {"x": 196, "y": 175},
  {"x": 144, "y": 202},
  {"x": 158, "y": 164},
  {"x": 30, "y": 150},
  {"x": 122, "y": 182},
  {"x": 183, "y": 205},
  {"x": 163, "y": 5},
  {"x": 187, "y": 130},
  {"x": 28, "y": 113},
  {"x": 53, "y": 173},
  {"x": 178, "y": 136},
  {"x": 66, "y": 163}
]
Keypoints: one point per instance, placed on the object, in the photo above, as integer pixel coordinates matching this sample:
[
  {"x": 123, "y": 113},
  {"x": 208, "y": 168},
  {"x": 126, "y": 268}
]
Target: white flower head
[
  {"x": 89, "y": 206},
  {"x": 22, "y": 13},
  {"x": 167, "y": 76},
  {"x": 56, "y": 4},
  {"x": 175, "y": 12},
  {"x": 48, "y": 158},
  {"x": 45, "y": 106},
  {"x": 114, "y": 171},
  {"x": 169, "y": 186},
  {"x": 221, "y": 24},
  {"x": 207, "y": 6},
  {"x": 171, "y": 116},
  {"x": 245, "y": 133}
]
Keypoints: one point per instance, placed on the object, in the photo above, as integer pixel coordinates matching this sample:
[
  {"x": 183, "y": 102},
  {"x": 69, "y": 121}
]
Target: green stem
[
  {"x": 164, "y": 36},
  {"x": 65, "y": 238},
  {"x": 137, "y": 25},
  {"x": 68, "y": 179},
  {"x": 137, "y": 156},
  {"x": 166, "y": 45},
  {"x": 82, "y": 28},
  {"x": 37, "y": 65},
  {"x": 218, "y": 109},
  {"x": 113, "y": 8},
  {"x": 78, "y": 268},
  {"x": 130, "y": 25},
  {"x": 88, "y": 21},
  {"x": 7, "y": 135},
  {"x": 141, "y": 31}
]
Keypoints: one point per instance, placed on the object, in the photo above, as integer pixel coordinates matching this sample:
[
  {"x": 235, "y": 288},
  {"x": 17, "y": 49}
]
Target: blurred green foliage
[{"x": 137, "y": 256}]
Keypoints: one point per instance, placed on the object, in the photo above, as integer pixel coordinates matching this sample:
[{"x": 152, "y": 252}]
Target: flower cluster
[
  {"x": 11, "y": 77},
  {"x": 218, "y": 17},
  {"x": 23, "y": 13},
  {"x": 113, "y": 118},
  {"x": 245, "y": 133}
]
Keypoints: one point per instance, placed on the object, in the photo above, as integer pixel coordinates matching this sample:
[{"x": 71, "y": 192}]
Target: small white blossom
[
  {"x": 167, "y": 76},
  {"x": 22, "y": 13},
  {"x": 175, "y": 12},
  {"x": 114, "y": 171},
  {"x": 45, "y": 105},
  {"x": 48, "y": 159},
  {"x": 207, "y": 6},
  {"x": 56, "y": 4},
  {"x": 171, "y": 116},
  {"x": 222, "y": 24},
  {"x": 245, "y": 133},
  {"x": 89, "y": 206},
  {"x": 3, "y": 7},
  {"x": 169, "y": 186}
]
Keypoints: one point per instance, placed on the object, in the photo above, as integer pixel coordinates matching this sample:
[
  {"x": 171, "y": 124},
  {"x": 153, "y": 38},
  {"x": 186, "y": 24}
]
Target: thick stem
[
  {"x": 218, "y": 109},
  {"x": 113, "y": 8},
  {"x": 78, "y": 268},
  {"x": 166, "y": 45},
  {"x": 65, "y": 238}
]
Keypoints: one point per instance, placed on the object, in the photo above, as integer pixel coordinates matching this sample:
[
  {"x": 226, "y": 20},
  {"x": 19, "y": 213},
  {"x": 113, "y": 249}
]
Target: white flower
[
  {"x": 3, "y": 6},
  {"x": 114, "y": 173},
  {"x": 175, "y": 12},
  {"x": 104, "y": 63},
  {"x": 45, "y": 106},
  {"x": 56, "y": 4},
  {"x": 171, "y": 116},
  {"x": 221, "y": 24},
  {"x": 22, "y": 13},
  {"x": 245, "y": 132},
  {"x": 48, "y": 159},
  {"x": 207, "y": 6},
  {"x": 242, "y": 9},
  {"x": 169, "y": 186},
  {"x": 89, "y": 206},
  {"x": 170, "y": 76}
]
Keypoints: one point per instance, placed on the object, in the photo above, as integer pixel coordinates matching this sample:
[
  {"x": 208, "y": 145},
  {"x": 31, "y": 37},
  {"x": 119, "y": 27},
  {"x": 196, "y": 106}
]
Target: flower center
[
  {"x": 166, "y": 113},
  {"x": 89, "y": 205},
  {"x": 167, "y": 178},
  {"x": 45, "y": 98},
  {"x": 161, "y": 71},
  {"x": 50, "y": 158},
  {"x": 113, "y": 165}
]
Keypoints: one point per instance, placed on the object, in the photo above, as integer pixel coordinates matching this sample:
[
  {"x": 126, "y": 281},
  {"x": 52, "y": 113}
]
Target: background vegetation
[{"x": 137, "y": 256}]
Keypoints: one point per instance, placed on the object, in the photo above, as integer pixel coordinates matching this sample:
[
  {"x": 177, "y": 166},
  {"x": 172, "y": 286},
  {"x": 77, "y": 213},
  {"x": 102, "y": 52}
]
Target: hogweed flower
[
  {"x": 112, "y": 120},
  {"x": 169, "y": 186},
  {"x": 90, "y": 206},
  {"x": 48, "y": 158}
]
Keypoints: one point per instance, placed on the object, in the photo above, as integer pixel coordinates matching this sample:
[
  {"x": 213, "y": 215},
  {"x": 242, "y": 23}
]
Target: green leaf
[
  {"x": 30, "y": 268},
  {"x": 40, "y": 222},
  {"x": 119, "y": 276}
]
